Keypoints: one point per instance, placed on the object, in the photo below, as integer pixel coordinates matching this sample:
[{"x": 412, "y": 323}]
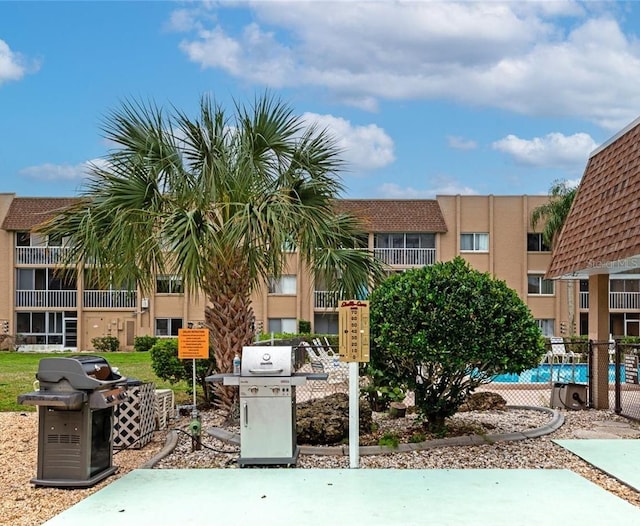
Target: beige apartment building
[{"x": 492, "y": 232}]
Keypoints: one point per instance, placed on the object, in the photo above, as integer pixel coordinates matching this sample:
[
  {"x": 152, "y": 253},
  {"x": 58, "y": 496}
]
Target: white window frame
[
  {"x": 541, "y": 243},
  {"x": 286, "y": 284},
  {"x": 546, "y": 326},
  {"x": 170, "y": 329},
  {"x": 539, "y": 276},
  {"x": 479, "y": 240},
  {"x": 286, "y": 325},
  {"x": 172, "y": 280}
]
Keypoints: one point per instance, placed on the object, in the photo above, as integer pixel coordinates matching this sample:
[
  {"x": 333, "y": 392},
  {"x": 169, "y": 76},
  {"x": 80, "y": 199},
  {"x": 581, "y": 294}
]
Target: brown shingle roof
[
  {"x": 26, "y": 212},
  {"x": 603, "y": 225},
  {"x": 396, "y": 215}
]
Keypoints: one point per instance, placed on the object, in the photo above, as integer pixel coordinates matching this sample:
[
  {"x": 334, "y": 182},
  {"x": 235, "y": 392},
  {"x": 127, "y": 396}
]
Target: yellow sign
[
  {"x": 193, "y": 344},
  {"x": 353, "y": 325}
]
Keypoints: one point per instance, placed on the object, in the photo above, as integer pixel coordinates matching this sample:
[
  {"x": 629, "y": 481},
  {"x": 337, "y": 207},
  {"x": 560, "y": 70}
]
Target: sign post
[
  {"x": 353, "y": 320},
  {"x": 194, "y": 344}
]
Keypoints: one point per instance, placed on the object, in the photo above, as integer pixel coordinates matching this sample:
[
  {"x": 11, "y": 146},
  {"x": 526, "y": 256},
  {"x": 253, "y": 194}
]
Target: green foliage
[
  {"x": 106, "y": 343},
  {"x": 417, "y": 437},
  {"x": 445, "y": 329},
  {"x": 389, "y": 439},
  {"x": 144, "y": 343},
  {"x": 167, "y": 365},
  {"x": 304, "y": 327},
  {"x": 378, "y": 390}
]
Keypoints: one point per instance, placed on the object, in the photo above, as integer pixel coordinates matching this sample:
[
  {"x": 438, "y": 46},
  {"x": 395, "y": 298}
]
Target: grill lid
[
  {"x": 81, "y": 372},
  {"x": 267, "y": 361}
]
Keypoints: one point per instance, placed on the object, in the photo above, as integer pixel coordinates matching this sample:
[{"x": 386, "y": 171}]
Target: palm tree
[
  {"x": 220, "y": 202},
  {"x": 554, "y": 214}
]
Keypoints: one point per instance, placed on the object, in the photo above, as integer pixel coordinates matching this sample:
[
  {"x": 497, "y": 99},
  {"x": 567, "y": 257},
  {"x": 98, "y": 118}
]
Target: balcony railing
[
  {"x": 406, "y": 257},
  {"x": 110, "y": 299},
  {"x": 325, "y": 299},
  {"x": 46, "y": 298},
  {"x": 617, "y": 301},
  {"x": 40, "y": 255}
]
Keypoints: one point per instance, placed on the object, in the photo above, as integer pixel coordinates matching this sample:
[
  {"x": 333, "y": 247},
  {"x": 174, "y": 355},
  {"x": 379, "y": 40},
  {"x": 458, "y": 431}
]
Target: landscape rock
[
  {"x": 484, "y": 401},
  {"x": 325, "y": 421}
]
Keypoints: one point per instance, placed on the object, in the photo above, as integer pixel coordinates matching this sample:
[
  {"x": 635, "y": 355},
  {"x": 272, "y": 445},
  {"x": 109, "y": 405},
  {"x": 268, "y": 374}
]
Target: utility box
[{"x": 569, "y": 396}]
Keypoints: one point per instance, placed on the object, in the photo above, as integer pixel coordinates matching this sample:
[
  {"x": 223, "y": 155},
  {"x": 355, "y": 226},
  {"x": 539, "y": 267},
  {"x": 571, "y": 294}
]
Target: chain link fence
[{"x": 627, "y": 389}]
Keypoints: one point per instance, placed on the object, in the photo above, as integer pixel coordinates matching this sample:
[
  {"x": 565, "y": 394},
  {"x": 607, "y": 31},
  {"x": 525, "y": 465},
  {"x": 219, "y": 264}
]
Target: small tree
[{"x": 444, "y": 330}]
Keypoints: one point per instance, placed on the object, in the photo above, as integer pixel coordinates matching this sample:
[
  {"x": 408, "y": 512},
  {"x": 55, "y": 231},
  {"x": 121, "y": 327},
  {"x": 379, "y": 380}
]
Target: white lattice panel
[
  {"x": 135, "y": 418},
  {"x": 165, "y": 407}
]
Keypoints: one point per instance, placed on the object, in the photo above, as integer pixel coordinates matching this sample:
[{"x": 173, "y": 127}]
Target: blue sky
[{"x": 425, "y": 97}]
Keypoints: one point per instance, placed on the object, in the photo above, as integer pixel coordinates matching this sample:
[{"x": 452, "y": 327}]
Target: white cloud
[
  {"x": 60, "y": 172},
  {"x": 460, "y": 143},
  {"x": 552, "y": 150},
  {"x": 363, "y": 147},
  {"x": 518, "y": 56},
  {"x": 441, "y": 185},
  {"x": 13, "y": 66}
]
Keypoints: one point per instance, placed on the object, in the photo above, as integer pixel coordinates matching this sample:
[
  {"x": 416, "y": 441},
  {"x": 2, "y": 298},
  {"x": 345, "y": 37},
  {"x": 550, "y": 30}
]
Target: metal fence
[
  {"x": 627, "y": 389},
  {"x": 566, "y": 361}
]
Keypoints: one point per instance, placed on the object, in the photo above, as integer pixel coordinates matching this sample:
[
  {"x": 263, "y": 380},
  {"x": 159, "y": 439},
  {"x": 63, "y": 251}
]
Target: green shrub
[
  {"x": 167, "y": 366},
  {"x": 304, "y": 327},
  {"x": 443, "y": 330},
  {"x": 390, "y": 440},
  {"x": 106, "y": 343},
  {"x": 144, "y": 343}
]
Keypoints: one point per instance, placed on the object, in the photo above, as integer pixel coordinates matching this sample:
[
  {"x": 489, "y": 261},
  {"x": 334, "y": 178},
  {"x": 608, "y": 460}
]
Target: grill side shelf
[{"x": 69, "y": 401}]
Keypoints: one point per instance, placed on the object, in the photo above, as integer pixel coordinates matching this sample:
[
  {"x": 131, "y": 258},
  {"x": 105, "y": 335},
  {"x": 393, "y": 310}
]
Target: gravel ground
[{"x": 22, "y": 504}]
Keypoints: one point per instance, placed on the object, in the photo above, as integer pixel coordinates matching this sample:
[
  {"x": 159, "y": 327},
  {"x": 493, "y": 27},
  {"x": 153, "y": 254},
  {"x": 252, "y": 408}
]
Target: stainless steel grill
[
  {"x": 75, "y": 400},
  {"x": 267, "y": 384}
]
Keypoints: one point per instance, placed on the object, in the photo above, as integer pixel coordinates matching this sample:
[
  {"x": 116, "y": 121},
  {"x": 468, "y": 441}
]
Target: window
[
  {"x": 474, "y": 242},
  {"x": 535, "y": 243},
  {"x": 624, "y": 285},
  {"x": 169, "y": 285},
  {"x": 43, "y": 279},
  {"x": 40, "y": 328},
  {"x": 538, "y": 285},
  {"x": 168, "y": 326},
  {"x": 283, "y": 285},
  {"x": 546, "y": 326},
  {"x": 29, "y": 239},
  {"x": 283, "y": 325},
  {"x": 409, "y": 240}
]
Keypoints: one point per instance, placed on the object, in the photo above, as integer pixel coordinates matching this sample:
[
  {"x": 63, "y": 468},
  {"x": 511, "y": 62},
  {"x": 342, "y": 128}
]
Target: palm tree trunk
[{"x": 229, "y": 318}]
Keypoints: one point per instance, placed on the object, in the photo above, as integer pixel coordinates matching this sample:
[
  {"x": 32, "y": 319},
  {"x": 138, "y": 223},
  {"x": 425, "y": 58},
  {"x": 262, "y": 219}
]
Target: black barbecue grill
[{"x": 75, "y": 399}]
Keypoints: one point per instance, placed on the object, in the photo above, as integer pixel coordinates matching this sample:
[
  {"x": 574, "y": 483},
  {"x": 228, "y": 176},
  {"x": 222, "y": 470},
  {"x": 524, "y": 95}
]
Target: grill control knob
[
  {"x": 275, "y": 390},
  {"x": 109, "y": 398},
  {"x": 253, "y": 389}
]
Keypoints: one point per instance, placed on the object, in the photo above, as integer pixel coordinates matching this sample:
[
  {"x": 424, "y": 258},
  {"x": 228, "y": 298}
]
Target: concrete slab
[
  {"x": 371, "y": 497},
  {"x": 618, "y": 457}
]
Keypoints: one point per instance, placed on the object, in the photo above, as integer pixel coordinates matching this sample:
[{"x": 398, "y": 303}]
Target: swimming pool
[{"x": 566, "y": 372}]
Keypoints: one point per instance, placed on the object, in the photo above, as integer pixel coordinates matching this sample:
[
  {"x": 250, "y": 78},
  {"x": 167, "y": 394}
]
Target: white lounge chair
[
  {"x": 338, "y": 371},
  {"x": 558, "y": 352}
]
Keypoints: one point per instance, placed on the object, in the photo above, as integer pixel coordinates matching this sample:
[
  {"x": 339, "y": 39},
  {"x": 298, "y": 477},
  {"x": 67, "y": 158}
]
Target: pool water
[{"x": 556, "y": 372}]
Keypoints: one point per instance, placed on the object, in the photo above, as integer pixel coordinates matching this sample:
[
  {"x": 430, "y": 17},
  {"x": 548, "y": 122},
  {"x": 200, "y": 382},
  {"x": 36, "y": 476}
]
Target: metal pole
[{"x": 354, "y": 415}]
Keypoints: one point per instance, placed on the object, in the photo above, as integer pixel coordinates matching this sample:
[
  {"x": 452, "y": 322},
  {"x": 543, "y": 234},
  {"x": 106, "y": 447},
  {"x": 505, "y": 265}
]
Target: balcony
[
  {"x": 406, "y": 257},
  {"x": 46, "y": 298},
  {"x": 325, "y": 300},
  {"x": 110, "y": 299},
  {"x": 629, "y": 301},
  {"x": 40, "y": 255}
]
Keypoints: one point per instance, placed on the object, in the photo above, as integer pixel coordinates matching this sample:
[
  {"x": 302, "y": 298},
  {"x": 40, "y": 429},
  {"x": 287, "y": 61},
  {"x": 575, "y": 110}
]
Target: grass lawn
[{"x": 18, "y": 372}]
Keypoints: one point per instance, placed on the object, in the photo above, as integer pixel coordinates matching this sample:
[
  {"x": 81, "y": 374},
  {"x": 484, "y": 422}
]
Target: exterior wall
[
  {"x": 504, "y": 218},
  {"x": 507, "y": 221},
  {"x": 6, "y": 269}
]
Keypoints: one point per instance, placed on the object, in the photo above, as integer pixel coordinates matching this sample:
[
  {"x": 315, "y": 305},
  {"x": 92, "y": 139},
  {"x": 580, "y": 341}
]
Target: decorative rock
[
  {"x": 325, "y": 421},
  {"x": 484, "y": 401},
  {"x": 397, "y": 410}
]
